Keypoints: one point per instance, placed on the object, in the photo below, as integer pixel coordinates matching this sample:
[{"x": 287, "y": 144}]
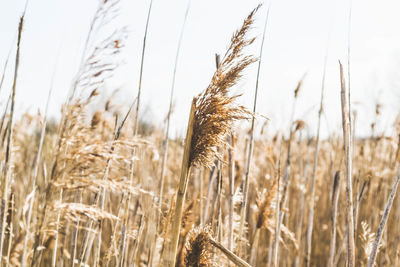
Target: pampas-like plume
[
  {"x": 266, "y": 206},
  {"x": 197, "y": 252},
  {"x": 196, "y": 249},
  {"x": 215, "y": 110},
  {"x": 211, "y": 117}
]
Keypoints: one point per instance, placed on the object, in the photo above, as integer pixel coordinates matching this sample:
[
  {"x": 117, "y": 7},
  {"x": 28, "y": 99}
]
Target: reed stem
[
  {"x": 182, "y": 187},
  {"x": 347, "y": 140},
  {"x": 136, "y": 126},
  {"x": 7, "y": 160},
  {"x": 381, "y": 228}
]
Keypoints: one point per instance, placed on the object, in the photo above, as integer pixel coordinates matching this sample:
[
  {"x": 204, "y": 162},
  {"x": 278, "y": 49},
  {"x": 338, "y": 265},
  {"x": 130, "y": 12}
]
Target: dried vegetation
[{"x": 85, "y": 191}]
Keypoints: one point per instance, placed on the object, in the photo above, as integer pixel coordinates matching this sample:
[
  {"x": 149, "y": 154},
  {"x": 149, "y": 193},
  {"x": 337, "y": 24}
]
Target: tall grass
[{"x": 87, "y": 190}]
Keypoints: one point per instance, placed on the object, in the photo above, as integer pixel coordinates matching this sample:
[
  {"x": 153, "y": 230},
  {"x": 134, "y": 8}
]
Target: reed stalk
[
  {"x": 209, "y": 191},
  {"x": 278, "y": 216},
  {"x": 286, "y": 174},
  {"x": 347, "y": 141},
  {"x": 8, "y": 157},
  {"x": 11, "y": 228},
  {"x": 182, "y": 187},
  {"x": 314, "y": 172},
  {"x": 56, "y": 234},
  {"x": 35, "y": 175},
  {"x": 166, "y": 137},
  {"x": 3, "y": 120},
  {"x": 136, "y": 126},
  {"x": 231, "y": 174},
  {"x": 251, "y": 142},
  {"x": 334, "y": 206},
  {"x": 382, "y": 224},
  {"x": 3, "y": 75},
  {"x": 229, "y": 254}
]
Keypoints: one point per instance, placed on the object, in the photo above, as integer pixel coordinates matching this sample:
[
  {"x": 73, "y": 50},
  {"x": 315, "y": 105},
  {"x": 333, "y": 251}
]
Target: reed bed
[{"x": 87, "y": 191}]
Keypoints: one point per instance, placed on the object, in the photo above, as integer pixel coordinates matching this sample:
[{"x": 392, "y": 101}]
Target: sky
[{"x": 298, "y": 36}]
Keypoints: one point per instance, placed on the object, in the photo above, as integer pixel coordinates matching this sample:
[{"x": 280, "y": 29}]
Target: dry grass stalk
[
  {"x": 367, "y": 238},
  {"x": 35, "y": 175},
  {"x": 382, "y": 224},
  {"x": 266, "y": 210},
  {"x": 315, "y": 165},
  {"x": 136, "y": 126},
  {"x": 251, "y": 142},
  {"x": 286, "y": 174},
  {"x": 216, "y": 202},
  {"x": 8, "y": 161},
  {"x": 231, "y": 174},
  {"x": 334, "y": 206},
  {"x": 348, "y": 69},
  {"x": 182, "y": 187},
  {"x": 347, "y": 141},
  {"x": 198, "y": 250},
  {"x": 56, "y": 234},
  {"x": 11, "y": 227},
  {"x": 212, "y": 116},
  {"x": 3, "y": 121},
  {"x": 212, "y": 178},
  {"x": 3, "y": 75},
  {"x": 168, "y": 120},
  {"x": 357, "y": 204},
  {"x": 229, "y": 254},
  {"x": 94, "y": 69},
  {"x": 275, "y": 250},
  {"x": 71, "y": 159}
]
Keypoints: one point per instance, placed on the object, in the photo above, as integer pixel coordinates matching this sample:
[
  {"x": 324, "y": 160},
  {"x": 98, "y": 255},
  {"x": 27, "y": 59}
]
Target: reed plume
[
  {"x": 215, "y": 110},
  {"x": 212, "y": 116},
  {"x": 197, "y": 251},
  {"x": 198, "y": 246}
]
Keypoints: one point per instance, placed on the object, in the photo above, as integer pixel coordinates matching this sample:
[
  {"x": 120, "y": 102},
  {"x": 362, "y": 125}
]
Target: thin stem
[
  {"x": 381, "y": 228},
  {"x": 56, "y": 234},
  {"x": 251, "y": 143},
  {"x": 35, "y": 173},
  {"x": 5, "y": 65},
  {"x": 349, "y": 164},
  {"x": 229, "y": 254},
  {"x": 7, "y": 160},
  {"x": 180, "y": 196},
  {"x": 136, "y": 129},
  {"x": 231, "y": 173},
  {"x": 348, "y": 64},
  {"x": 11, "y": 228},
  {"x": 278, "y": 216},
  {"x": 166, "y": 137},
  {"x": 334, "y": 205},
  {"x": 315, "y": 165}
]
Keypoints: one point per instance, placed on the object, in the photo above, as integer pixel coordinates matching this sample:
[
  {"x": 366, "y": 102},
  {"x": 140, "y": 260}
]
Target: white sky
[{"x": 296, "y": 41}]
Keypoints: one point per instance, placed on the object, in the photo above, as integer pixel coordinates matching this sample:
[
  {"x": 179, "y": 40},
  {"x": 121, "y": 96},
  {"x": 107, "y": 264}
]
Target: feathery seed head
[
  {"x": 216, "y": 111},
  {"x": 266, "y": 207},
  {"x": 197, "y": 253}
]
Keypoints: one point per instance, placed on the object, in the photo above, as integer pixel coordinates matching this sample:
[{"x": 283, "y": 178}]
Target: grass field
[{"x": 103, "y": 187}]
